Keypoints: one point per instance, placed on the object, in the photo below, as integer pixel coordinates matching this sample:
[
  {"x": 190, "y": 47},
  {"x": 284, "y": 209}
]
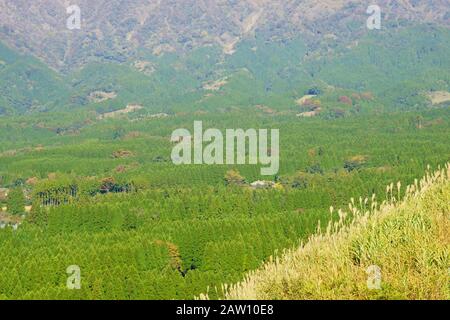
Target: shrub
[{"x": 233, "y": 177}]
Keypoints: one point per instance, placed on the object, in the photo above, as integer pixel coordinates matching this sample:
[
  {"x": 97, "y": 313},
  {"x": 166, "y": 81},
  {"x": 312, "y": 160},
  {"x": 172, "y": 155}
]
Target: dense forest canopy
[{"x": 86, "y": 175}]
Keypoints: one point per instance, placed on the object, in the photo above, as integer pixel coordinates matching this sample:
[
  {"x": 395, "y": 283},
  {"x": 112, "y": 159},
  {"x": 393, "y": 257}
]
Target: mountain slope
[
  {"x": 407, "y": 242},
  {"x": 276, "y": 73},
  {"x": 119, "y": 29},
  {"x": 164, "y": 55},
  {"x": 26, "y": 84}
]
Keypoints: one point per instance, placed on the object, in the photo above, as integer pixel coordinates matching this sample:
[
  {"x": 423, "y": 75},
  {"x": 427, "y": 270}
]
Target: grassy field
[{"x": 398, "y": 249}]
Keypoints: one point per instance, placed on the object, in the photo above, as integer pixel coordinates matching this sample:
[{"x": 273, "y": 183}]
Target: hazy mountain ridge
[
  {"x": 162, "y": 55},
  {"x": 116, "y": 30}
]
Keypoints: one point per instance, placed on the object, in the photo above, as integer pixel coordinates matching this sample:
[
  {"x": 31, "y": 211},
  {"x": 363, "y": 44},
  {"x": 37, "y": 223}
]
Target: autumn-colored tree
[
  {"x": 311, "y": 104},
  {"x": 346, "y": 100},
  {"x": 233, "y": 177},
  {"x": 367, "y": 96}
]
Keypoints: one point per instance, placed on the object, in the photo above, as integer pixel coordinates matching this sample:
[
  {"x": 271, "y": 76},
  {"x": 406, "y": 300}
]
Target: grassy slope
[{"x": 408, "y": 240}]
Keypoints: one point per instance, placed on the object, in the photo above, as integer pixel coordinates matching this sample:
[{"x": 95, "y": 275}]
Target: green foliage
[
  {"x": 387, "y": 63},
  {"x": 16, "y": 201},
  {"x": 396, "y": 251},
  {"x": 160, "y": 245},
  {"x": 140, "y": 227}
]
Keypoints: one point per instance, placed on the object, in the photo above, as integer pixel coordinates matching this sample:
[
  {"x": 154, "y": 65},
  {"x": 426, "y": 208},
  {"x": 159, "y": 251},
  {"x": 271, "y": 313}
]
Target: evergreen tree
[{"x": 16, "y": 201}]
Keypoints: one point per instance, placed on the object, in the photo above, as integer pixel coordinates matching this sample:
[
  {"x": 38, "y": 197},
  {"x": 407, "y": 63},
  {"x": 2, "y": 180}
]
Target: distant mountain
[
  {"x": 116, "y": 30},
  {"x": 188, "y": 55}
]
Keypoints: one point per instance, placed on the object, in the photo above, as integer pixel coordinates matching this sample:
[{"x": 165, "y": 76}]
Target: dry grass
[
  {"x": 303, "y": 99},
  {"x": 129, "y": 108},
  {"x": 145, "y": 67},
  {"x": 215, "y": 85},
  {"x": 100, "y": 96},
  {"x": 407, "y": 239},
  {"x": 439, "y": 97}
]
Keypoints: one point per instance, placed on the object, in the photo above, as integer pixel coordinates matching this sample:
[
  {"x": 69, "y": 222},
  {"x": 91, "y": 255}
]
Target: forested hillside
[
  {"x": 384, "y": 64},
  {"x": 87, "y": 116}
]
